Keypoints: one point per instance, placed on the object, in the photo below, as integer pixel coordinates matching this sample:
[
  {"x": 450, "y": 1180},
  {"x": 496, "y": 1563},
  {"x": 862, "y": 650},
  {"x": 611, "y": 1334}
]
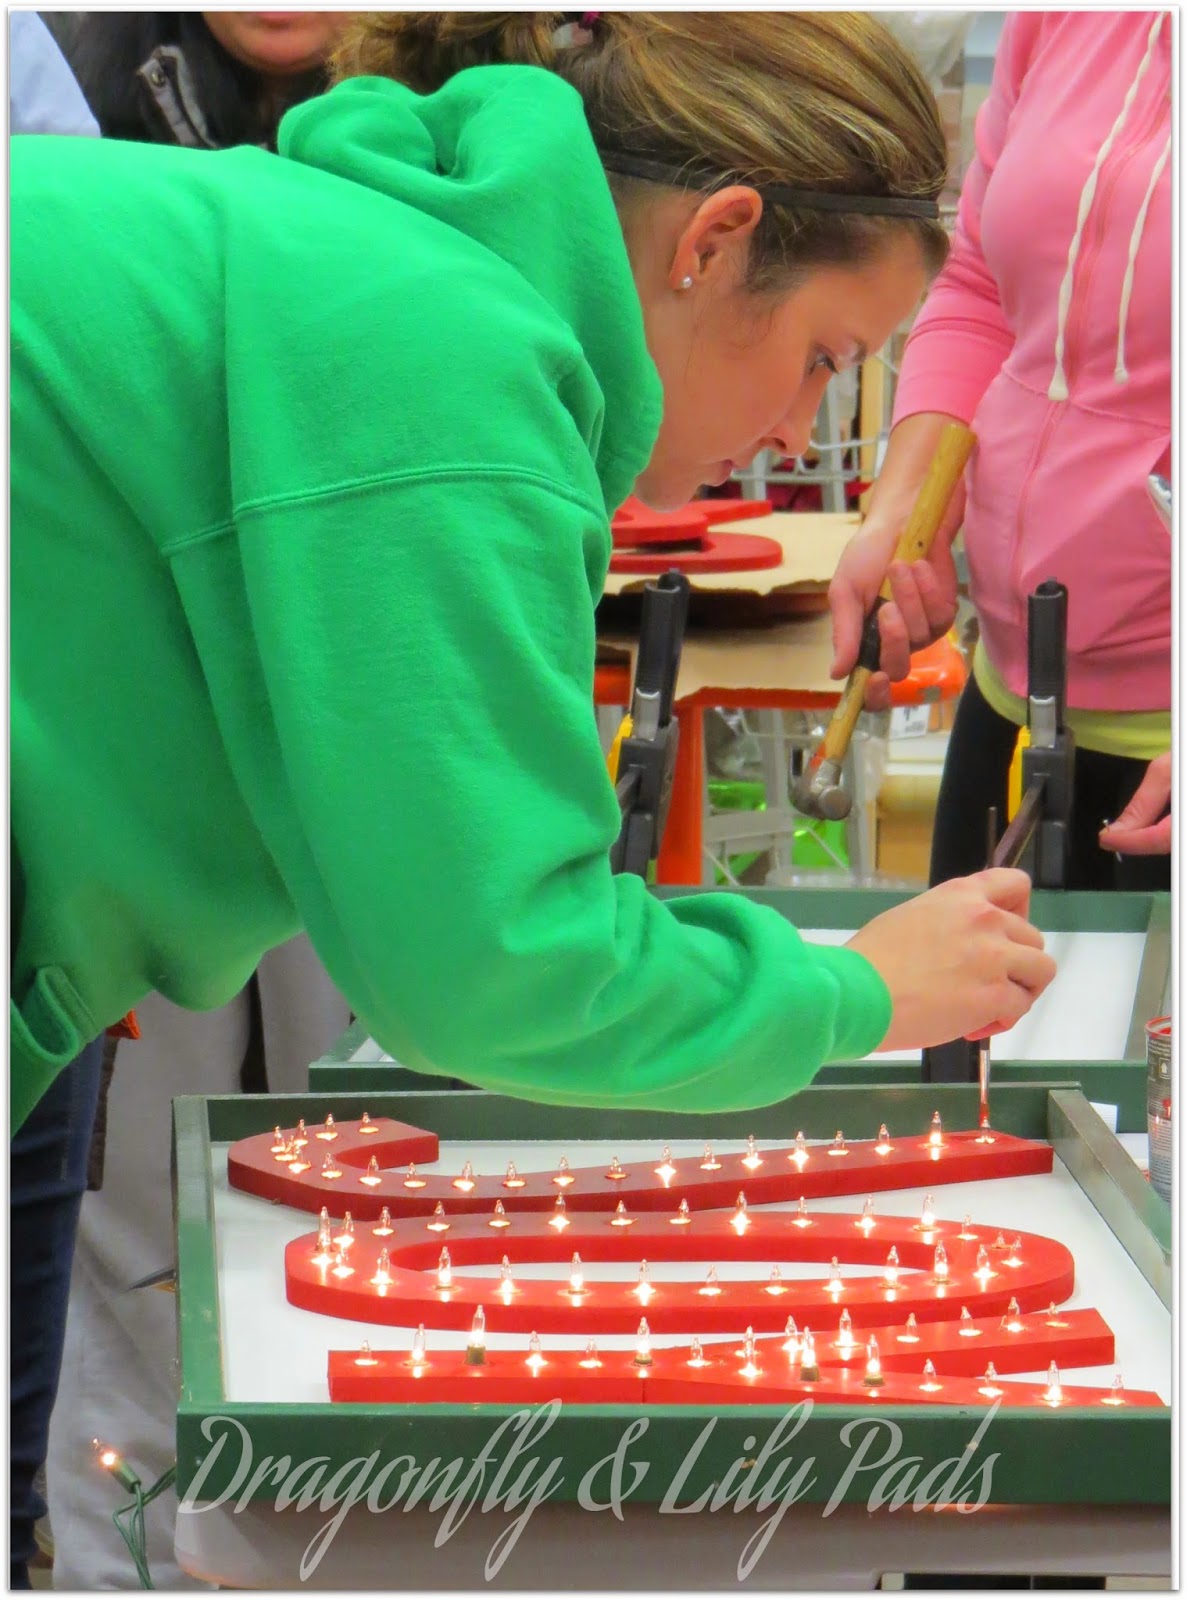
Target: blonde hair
[{"x": 827, "y": 102}]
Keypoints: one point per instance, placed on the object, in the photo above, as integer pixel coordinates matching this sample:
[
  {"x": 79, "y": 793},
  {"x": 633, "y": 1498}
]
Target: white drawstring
[
  {"x": 1058, "y": 388},
  {"x": 1120, "y": 374}
]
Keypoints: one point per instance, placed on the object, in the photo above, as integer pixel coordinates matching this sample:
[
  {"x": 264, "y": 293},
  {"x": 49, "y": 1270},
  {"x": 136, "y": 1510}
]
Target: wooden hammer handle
[{"x": 944, "y": 472}]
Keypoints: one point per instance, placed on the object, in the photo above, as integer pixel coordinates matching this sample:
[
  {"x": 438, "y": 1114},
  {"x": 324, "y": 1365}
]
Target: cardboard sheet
[
  {"x": 793, "y": 657},
  {"x": 812, "y": 542}
]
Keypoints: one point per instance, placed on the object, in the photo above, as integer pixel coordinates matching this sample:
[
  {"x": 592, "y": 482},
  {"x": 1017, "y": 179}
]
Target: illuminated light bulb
[
  {"x": 966, "y": 1227},
  {"x": 344, "y": 1238},
  {"x": 562, "y": 1177},
  {"x": 983, "y": 1271},
  {"x": 791, "y": 1340},
  {"x": 940, "y": 1267},
  {"x": 929, "y": 1384},
  {"x": 576, "y": 1276},
  {"x": 935, "y": 1136},
  {"x": 1012, "y": 1321},
  {"x": 1116, "y": 1394},
  {"x": 328, "y": 1131},
  {"x": 809, "y": 1370},
  {"x": 884, "y": 1146},
  {"x": 299, "y": 1164},
  {"x": 535, "y": 1357},
  {"x": 910, "y": 1334},
  {"x": 411, "y": 1181},
  {"x": 890, "y": 1274},
  {"x": 383, "y": 1228},
  {"x": 1053, "y": 1394},
  {"x": 383, "y": 1270},
  {"x": 591, "y": 1358},
  {"x": 364, "y": 1357},
  {"x": 643, "y": 1344},
  {"x": 621, "y": 1219},
  {"x": 330, "y": 1168},
  {"x": 506, "y": 1283},
  {"x": 872, "y": 1377},
  {"x": 465, "y": 1179},
  {"x": 476, "y": 1349},
  {"x": 838, "y": 1146},
  {"x": 372, "y": 1176},
  {"x": 750, "y": 1367},
  {"x": 989, "y": 1386},
  {"x": 1014, "y": 1259},
  {"x": 616, "y": 1172},
  {"x": 696, "y": 1356},
  {"x": 775, "y": 1284},
  {"x": 558, "y": 1219},
  {"x": 416, "y": 1356},
  {"x": 366, "y": 1125},
  {"x": 710, "y": 1285},
  {"x": 709, "y": 1162},
  {"x": 300, "y": 1136},
  {"x": 512, "y": 1179},
  {"x": 323, "y": 1256},
  {"x": 665, "y": 1172},
  {"x": 801, "y": 1218},
  {"x": 444, "y": 1269},
  {"x": 927, "y": 1219},
  {"x": 966, "y": 1330},
  {"x": 341, "y": 1267},
  {"x": 498, "y": 1217},
  {"x": 835, "y": 1284},
  {"x": 280, "y": 1144},
  {"x": 683, "y": 1215},
  {"x": 866, "y": 1221},
  {"x": 799, "y": 1151},
  {"x": 1000, "y": 1242},
  {"x": 740, "y": 1220},
  {"x": 1053, "y": 1320},
  {"x": 751, "y": 1160},
  {"x": 644, "y": 1288},
  {"x": 438, "y": 1222},
  {"x": 845, "y": 1335}
]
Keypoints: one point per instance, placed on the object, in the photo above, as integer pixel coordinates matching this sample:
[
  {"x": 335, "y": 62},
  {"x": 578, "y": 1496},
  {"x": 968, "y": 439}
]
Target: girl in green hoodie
[{"x": 315, "y": 452}]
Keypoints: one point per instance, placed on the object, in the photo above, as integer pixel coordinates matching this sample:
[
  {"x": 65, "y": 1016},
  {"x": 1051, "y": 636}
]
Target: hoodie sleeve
[
  {"x": 437, "y": 805},
  {"x": 961, "y": 337}
]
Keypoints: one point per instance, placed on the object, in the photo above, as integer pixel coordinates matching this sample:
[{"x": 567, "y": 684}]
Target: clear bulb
[
  {"x": 328, "y": 1130},
  {"x": 883, "y": 1146},
  {"x": 616, "y": 1171},
  {"x": 890, "y": 1273},
  {"x": 940, "y": 1267},
  {"x": 666, "y": 1171},
  {"x": 710, "y": 1285},
  {"x": 383, "y": 1270},
  {"x": 643, "y": 1344},
  {"x": 591, "y": 1358},
  {"x": 383, "y": 1227},
  {"x": 696, "y": 1357},
  {"x": 799, "y": 1151},
  {"x": 621, "y": 1218},
  {"x": 478, "y": 1328},
  {"x": 845, "y": 1332},
  {"x": 683, "y": 1215},
  {"x": 927, "y": 1220},
  {"x": 329, "y": 1167},
  {"x": 929, "y": 1384},
  {"x": 511, "y": 1178},
  {"x": 499, "y": 1217},
  {"x": 709, "y": 1162},
  {"x": 838, "y": 1146},
  {"x": 366, "y": 1125},
  {"x": 558, "y": 1219},
  {"x": 444, "y": 1269},
  {"x": 465, "y": 1179},
  {"x": 563, "y": 1177},
  {"x": 438, "y": 1222},
  {"x": 910, "y": 1334},
  {"x": 775, "y": 1283},
  {"x": 935, "y": 1137},
  {"x": 740, "y": 1221},
  {"x": 411, "y": 1179},
  {"x": 373, "y": 1176},
  {"x": 417, "y": 1353}
]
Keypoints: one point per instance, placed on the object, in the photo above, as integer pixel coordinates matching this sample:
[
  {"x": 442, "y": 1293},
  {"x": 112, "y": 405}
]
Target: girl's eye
[{"x": 823, "y": 359}]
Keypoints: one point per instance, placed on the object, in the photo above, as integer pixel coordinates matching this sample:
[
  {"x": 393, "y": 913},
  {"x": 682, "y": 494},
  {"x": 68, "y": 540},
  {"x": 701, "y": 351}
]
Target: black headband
[{"x": 689, "y": 177}]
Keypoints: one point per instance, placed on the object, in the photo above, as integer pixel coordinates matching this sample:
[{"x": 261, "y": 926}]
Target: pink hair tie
[{"x": 588, "y": 18}]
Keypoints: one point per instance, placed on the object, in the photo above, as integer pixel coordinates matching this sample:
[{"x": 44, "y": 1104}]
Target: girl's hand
[{"x": 1144, "y": 827}]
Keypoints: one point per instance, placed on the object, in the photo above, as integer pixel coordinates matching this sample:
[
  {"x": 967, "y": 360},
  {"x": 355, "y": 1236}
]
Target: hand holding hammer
[{"x": 818, "y": 791}]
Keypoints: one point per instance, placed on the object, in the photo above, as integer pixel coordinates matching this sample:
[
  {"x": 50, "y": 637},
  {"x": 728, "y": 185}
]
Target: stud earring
[{"x": 686, "y": 283}]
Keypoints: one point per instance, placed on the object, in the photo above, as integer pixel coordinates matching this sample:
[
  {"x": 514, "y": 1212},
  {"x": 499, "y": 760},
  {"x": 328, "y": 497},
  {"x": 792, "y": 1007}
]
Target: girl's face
[
  {"x": 743, "y": 372},
  {"x": 277, "y": 44}
]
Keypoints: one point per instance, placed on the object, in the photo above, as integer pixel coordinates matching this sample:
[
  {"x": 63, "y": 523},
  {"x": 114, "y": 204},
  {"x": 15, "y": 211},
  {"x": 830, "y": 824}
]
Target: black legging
[{"x": 976, "y": 776}]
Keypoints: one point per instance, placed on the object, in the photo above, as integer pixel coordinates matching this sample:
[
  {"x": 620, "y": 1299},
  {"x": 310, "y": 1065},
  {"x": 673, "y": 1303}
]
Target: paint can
[{"x": 1158, "y": 1104}]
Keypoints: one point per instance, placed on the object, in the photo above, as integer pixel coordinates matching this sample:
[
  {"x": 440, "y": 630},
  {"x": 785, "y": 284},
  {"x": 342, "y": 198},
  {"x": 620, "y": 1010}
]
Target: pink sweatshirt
[{"x": 1050, "y": 331}]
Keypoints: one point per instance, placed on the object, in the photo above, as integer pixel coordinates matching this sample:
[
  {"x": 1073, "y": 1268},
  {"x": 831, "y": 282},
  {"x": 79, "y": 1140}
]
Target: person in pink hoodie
[{"x": 1049, "y": 332}]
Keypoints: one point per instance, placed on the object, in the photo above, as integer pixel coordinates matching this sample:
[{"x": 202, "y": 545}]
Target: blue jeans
[{"x": 47, "y": 1178}]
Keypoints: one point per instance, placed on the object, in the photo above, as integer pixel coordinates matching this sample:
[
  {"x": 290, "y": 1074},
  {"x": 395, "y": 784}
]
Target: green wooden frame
[
  {"x": 1121, "y": 1083},
  {"x": 1077, "y": 1456}
]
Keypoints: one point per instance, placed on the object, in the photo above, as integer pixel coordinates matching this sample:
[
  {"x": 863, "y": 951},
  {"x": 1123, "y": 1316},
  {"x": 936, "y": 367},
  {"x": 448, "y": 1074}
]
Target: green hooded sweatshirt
[{"x": 312, "y": 462}]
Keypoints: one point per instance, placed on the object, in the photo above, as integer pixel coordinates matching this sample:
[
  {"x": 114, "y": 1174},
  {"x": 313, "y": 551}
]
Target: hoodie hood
[{"x": 504, "y": 155}]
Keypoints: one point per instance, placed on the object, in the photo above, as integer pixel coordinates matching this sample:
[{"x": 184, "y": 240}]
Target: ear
[{"x": 716, "y": 237}]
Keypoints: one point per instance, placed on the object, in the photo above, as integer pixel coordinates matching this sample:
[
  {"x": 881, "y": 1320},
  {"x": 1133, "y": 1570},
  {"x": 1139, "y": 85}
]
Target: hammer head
[{"x": 818, "y": 793}]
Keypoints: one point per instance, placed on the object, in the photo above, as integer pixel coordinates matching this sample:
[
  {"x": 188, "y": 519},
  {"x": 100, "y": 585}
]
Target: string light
[
  {"x": 838, "y": 1146},
  {"x": 990, "y": 1387},
  {"x": 873, "y": 1374},
  {"x": 562, "y": 1177},
  {"x": 966, "y": 1329},
  {"x": 591, "y": 1359},
  {"x": 438, "y": 1222},
  {"x": 710, "y": 1285},
  {"x": 966, "y": 1228},
  {"x": 935, "y": 1137},
  {"x": 1053, "y": 1395},
  {"x": 476, "y": 1349},
  {"x": 983, "y": 1271},
  {"x": 927, "y": 1219},
  {"x": 328, "y": 1131},
  {"x": 1053, "y": 1320},
  {"x": 330, "y": 1168},
  {"x": 1014, "y": 1259},
  {"x": 791, "y": 1340},
  {"x": 111, "y": 1461},
  {"x": 750, "y": 1368},
  {"x": 512, "y": 1179},
  {"x": 366, "y": 1125},
  {"x": 883, "y": 1146},
  {"x": 535, "y": 1356},
  {"x": 845, "y": 1335},
  {"x": 1011, "y": 1322},
  {"x": 644, "y": 1288},
  {"x": 801, "y": 1218},
  {"x": 1000, "y": 1242},
  {"x": 621, "y": 1218},
  {"x": 558, "y": 1219},
  {"x": 929, "y": 1384},
  {"x": 910, "y": 1334},
  {"x": 799, "y": 1153},
  {"x": 499, "y": 1217},
  {"x": 364, "y": 1357},
  {"x": 616, "y": 1172},
  {"x": 751, "y": 1160},
  {"x": 411, "y": 1180},
  {"x": 809, "y": 1370},
  {"x": 666, "y": 1171},
  {"x": 576, "y": 1277},
  {"x": 940, "y": 1267},
  {"x": 444, "y": 1269},
  {"x": 280, "y": 1144},
  {"x": 383, "y": 1228},
  {"x": 1116, "y": 1394},
  {"x": 341, "y": 1267},
  {"x": 890, "y": 1273},
  {"x": 417, "y": 1356},
  {"x": 373, "y": 1176},
  {"x": 835, "y": 1284},
  {"x": 740, "y": 1221},
  {"x": 643, "y": 1344},
  {"x": 323, "y": 1256},
  {"x": 344, "y": 1238},
  {"x": 709, "y": 1162},
  {"x": 683, "y": 1215},
  {"x": 866, "y": 1221},
  {"x": 774, "y": 1284},
  {"x": 465, "y": 1179},
  {"x": 300, "y": 1135},
  {"x": 298, "y": 1164},
  {"x": 696, "y": 1356},
  {"x": 506, "y": 1282},
  {"x": 383, "y": 1270}
]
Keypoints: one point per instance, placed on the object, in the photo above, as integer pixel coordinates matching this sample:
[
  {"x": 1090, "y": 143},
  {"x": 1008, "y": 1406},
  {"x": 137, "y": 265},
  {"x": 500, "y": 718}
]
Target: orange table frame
[{"x": 936, "y": 673}]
